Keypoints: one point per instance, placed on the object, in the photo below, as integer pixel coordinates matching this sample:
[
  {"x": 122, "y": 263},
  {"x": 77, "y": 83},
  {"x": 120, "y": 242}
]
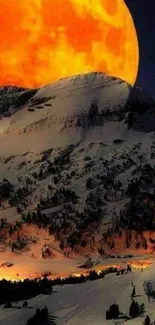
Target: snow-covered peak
[
  {"x": 77, "y": 108},
  {"x": 88, "y": 78},
  {"x": 82, "y": 81}
]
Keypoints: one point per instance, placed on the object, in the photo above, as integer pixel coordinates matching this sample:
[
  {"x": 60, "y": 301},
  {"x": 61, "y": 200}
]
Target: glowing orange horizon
[{"x": 44, "y": 40}]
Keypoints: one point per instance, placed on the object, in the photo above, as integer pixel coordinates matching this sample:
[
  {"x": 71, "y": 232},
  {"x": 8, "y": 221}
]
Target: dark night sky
[{"x": 143, "y": 13}]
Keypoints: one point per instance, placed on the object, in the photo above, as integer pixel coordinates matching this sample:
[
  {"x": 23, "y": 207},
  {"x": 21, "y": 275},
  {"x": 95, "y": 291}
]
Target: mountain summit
[{"x": 74, "y": 109}]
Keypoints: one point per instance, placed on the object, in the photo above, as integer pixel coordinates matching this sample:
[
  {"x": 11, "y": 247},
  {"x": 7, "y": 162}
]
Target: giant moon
[{"x": 45, "y": 40}]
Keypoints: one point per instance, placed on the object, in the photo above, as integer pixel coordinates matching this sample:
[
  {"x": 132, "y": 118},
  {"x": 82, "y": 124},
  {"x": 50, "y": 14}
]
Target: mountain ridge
[
  {"x": 79, "y": 165},
  {"x": 70, "y": 107}
]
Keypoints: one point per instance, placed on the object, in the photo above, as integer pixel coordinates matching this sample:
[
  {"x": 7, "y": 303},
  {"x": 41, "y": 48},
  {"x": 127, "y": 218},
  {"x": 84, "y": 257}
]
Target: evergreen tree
[
  {"x": 107, "y": 315},
  {"x": 147, "y": 320},
  {"x": 25, "y": 304},
  {"x": 148, "y": 289},
  {"x": 133, "y": 292},
  {"x": 113, "y": 312},
  {"x": 134, "y": 310},
  {"x": 41, "y": 317},
  {"x": 129, "y": 269},
  {"x": 93, "y": 275}
]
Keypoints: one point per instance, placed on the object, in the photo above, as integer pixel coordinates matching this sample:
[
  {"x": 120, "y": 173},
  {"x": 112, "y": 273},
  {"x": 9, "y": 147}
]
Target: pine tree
[
  {"x": 129, "y": 269},
  {"x": 133, "y": 292},
  {"x": 134, "y": 310},
  {"x": 147, "y": 320},
  {"x": 113, "y": 312},
  {"x": 25, "y": 304},
  {"x": 107, "y": 315},
  {"x": 148, "y": 289}
]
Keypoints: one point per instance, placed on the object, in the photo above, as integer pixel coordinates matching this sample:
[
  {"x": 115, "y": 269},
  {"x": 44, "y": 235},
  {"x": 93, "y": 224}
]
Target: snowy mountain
[
  {"x": 86, "y": 303},
  {"x": 72, "y": 110},
  {"x": 73, "y": 156}
]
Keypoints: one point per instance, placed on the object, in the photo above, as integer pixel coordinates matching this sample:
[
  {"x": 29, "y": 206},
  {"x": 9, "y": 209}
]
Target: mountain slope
[
  {"x": 61, "y": 109},
  {"x": 87, "y": 303},
  {"x": 71, "y": 110},
  {"x": 74, "y": 157}
]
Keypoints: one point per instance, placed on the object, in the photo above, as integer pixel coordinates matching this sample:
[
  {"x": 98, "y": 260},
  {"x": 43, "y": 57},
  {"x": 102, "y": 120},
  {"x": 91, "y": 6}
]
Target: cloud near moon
[{"x": 44, "y": 40}]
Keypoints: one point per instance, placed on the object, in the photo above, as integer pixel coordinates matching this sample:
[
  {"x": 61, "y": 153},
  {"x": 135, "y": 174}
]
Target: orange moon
[{"x": 45, "y": 40}]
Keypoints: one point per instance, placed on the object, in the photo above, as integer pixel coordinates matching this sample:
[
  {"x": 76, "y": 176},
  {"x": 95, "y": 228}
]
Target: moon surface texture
[{"x": 44, "y": 40}]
